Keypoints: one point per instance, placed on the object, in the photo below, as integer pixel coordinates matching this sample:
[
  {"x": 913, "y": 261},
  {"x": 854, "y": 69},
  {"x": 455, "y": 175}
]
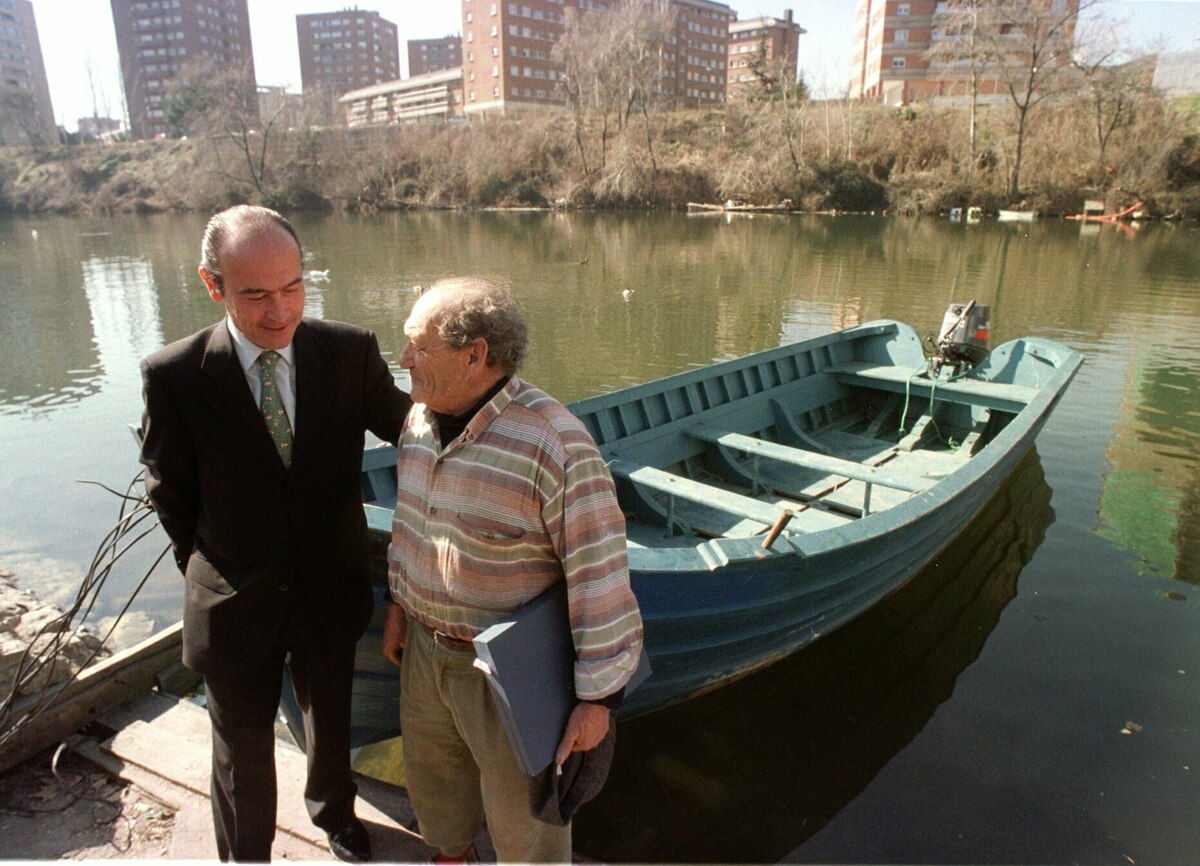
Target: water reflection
[
  {"x": 1149, "y": 504},
  {"x": 747, "y": 773},
  {"x": 49, "y": 355},
  {"x": 126, "y": 322},
  {"x": 85, "y": 300}
]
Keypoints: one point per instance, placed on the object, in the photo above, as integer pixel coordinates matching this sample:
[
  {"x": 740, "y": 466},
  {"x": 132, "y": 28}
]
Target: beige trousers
[{"x": 458, "y": 762}]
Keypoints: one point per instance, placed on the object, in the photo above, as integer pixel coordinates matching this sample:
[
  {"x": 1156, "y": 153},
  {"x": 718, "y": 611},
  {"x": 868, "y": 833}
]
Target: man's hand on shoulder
[
  {"x": 394, "y": 631},
  {"x": 586, "y": 727}
]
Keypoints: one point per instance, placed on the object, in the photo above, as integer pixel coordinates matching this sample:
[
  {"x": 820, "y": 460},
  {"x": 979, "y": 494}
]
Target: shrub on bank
[{"x": 821, "y": 156}]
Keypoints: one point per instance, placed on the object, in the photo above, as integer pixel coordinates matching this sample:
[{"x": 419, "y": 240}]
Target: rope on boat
[
  {"x": 932, "y": 399},
  {"x": 134, "y": 511}
]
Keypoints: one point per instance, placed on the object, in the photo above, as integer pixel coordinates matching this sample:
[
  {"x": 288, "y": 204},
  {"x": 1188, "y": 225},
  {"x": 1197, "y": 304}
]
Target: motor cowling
[{"x": 963, "y": 340}]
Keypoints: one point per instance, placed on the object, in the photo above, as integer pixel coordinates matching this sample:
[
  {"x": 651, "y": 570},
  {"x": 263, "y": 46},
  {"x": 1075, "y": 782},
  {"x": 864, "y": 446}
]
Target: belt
[{"x": 444, "y": 640}]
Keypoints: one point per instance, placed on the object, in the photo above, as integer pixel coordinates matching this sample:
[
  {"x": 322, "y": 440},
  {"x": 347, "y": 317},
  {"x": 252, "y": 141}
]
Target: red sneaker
[{"x": 467, "y": 856}]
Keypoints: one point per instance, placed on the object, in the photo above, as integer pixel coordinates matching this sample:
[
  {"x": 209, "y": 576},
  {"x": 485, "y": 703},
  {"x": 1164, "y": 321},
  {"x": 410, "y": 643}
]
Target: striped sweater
[{"x": 520, "y": 500}]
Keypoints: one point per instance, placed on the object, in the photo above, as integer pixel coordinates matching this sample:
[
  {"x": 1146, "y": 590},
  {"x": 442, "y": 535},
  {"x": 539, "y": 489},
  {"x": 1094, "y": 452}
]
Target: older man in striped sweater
[{"x": 501, "y": 494}]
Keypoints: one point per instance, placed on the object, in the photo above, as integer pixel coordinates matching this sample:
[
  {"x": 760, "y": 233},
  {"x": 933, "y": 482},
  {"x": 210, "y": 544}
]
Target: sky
[{"x": 80, "y": 48}]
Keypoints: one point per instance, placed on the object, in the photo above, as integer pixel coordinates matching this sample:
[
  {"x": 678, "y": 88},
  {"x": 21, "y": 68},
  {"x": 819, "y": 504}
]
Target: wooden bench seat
[
  {"x": 970, "y": 392},
  {"x": 807, "y": 459},
  {"x": 695, "y": 491}
]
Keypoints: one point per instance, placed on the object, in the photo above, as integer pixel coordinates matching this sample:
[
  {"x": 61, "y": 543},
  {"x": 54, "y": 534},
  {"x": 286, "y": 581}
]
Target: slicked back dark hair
[{"x": 242, "y": 217}]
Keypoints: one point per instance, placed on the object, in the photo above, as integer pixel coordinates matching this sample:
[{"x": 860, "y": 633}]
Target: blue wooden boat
[{"x": 773, "y": 498}]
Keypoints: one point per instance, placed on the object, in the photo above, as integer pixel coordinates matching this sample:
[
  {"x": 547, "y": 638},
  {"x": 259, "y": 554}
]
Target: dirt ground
[{"x": 76, "y": 811}]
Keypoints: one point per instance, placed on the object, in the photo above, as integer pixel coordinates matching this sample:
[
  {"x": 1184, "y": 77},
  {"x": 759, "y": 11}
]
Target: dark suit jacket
[{"x": 258, "y": 542}]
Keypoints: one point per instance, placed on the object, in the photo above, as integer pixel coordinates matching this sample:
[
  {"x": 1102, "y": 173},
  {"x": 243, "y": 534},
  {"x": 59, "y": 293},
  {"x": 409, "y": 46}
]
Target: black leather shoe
[{"x": 351, "y": 844}]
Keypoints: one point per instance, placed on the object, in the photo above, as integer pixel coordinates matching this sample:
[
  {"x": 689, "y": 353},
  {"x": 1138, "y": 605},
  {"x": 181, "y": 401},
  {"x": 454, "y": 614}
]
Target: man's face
[
  {"x": 439, "y": 373},
  {"x": 263, "y": 286}
]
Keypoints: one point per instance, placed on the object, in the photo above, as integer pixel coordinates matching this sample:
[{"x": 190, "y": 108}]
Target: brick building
[
  {"x": 26, "y": 114},
  {"x": 156, "y": 39},
  {"x": 508, "y": 52},
  {"x": 347, "y": 50},
  {"x": 767, "y": 41},
  {"x": 892, "y": 60},
  {"x": 434, "y": 55}
]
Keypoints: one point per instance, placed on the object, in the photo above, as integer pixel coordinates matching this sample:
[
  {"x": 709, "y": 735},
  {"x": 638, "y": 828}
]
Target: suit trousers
[
  {"x": 243, "y": 707},
  {"x": 458, "y": 762}
]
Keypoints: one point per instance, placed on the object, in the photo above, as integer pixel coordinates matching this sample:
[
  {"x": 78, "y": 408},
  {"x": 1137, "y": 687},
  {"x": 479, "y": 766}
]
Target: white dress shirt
[{"x": 285, "y": 372}]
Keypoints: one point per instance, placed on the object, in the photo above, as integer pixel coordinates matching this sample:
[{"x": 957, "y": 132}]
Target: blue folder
[{"x": 529, "y": 662}]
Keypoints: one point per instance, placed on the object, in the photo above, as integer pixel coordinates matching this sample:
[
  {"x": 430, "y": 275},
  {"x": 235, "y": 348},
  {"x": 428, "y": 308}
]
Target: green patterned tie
[{"x": 272, "y": 407}]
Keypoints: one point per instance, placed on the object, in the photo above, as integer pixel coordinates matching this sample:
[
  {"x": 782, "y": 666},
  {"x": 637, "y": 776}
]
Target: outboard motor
[{"x": 962, "y": 342}]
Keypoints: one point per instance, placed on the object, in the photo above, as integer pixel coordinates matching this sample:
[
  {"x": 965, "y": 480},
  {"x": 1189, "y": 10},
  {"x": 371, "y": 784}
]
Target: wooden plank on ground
[
  {"x": 97, "y": 689},
  {"x": 169, "y": 740}
]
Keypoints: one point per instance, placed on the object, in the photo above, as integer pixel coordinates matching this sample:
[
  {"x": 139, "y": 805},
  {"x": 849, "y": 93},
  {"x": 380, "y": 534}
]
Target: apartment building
[
  {"x": 347, "y": 50},
  {"x": 434, "y": 55},
  {"x": 431, "y": 95},
  {"x": 892, "y": 60},
  {"x": 157, "y": 39},
  {"x": 26, "y": 114},
  {"x": 767, "y": 42},
  {"x": 700, "y": 53},
  {"x": 508, "y": 52}
]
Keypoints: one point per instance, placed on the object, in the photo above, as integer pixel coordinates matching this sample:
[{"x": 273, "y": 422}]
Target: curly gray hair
[{"x": 473, "y": 307}]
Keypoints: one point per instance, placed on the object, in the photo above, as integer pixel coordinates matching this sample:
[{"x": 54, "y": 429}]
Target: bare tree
[
  {"x": 961, "y": 48},
  {"x": 641, "y": 28},
  {"x": 779, "y": 97},
  {"x": 1029, "y": 44},
  {"x": 1115, "y": 86},
  {"x": 222, "y": 103},
  {"x": 584, "y": 83},
  {"x": 612, "y": 70}
]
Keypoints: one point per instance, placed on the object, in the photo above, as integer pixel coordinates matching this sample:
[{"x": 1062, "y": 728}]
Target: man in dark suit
[{"x": 253, "y": 437}]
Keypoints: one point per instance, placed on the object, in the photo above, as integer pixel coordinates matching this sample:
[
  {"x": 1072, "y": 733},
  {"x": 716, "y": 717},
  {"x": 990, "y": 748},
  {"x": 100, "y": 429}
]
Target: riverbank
[
  {"x": 127, "y": 777},
  {"x": 31, "y": 629},
  {"x": 59, "y": 806},
  {"x": 822, "y": 156}
]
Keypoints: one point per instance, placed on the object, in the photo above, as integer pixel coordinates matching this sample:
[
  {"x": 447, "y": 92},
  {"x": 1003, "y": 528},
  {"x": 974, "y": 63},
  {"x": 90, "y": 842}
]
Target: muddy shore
[{"x": 56, "y": 805}]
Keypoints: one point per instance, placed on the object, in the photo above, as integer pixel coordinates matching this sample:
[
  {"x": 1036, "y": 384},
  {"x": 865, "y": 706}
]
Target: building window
[
  {"x": 904, "y": 9},
  {"x": 897, "y": 63},
  {"x": 901, "y": 36}
]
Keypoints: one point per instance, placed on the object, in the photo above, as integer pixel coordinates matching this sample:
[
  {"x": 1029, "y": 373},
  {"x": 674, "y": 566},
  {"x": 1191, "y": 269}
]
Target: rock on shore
[{"x": 22, "y": 618}]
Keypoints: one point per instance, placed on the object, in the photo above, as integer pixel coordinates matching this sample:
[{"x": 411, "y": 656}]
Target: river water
[{"x": 1030, "y": 698}]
